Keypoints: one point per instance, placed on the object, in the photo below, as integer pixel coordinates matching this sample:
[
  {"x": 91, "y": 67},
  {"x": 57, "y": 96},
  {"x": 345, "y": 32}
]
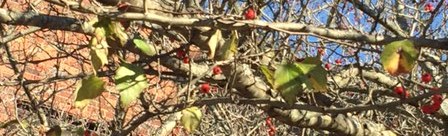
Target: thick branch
[
  {"x": 74, "y": 25},
  {"x": 43, "y": 21}
]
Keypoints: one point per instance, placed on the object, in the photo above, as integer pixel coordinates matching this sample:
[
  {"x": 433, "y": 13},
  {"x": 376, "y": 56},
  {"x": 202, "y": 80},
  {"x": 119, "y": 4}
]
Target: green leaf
[
  {"x": 98, "y": 49},
  {"x": 130, "y": 81},
  {"x": 229, "y": 48},
  {"x": 314, "y": 74},
  {"x": 290, "y": 79},
  {"x": 98, "y": 56},
  {"x": 268, "y": 74},
  {"x": 144, "y": 47},
  {"x": 117, "y": 33},
  {"x": 399, "y": 57},
  {"x": 191, "y": 118},
  {"x": 287, "y": 81},
  {"x": 87, "y": 90}
]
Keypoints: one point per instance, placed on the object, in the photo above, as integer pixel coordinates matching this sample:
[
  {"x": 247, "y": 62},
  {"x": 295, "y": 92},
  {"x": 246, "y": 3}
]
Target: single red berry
[
  {"x": 426, "y": 78},
  {"x": 427, "y": 109},
  {"x": 186, "y": 60},
  {"x": 338, "y": 61},
  {"x": 399, "y": 90},
  {"x": 250, "y": 14},
  {"x": 217, "y": 70},
  {"x": 321, "y": 51},
  {"x": 429, "y": 7},
  {"x": 205, "y": 88},
  {"x": 181, "y": 54},
  {"x": 328, "y": 66},
  {"x": 437, "y": 98}
]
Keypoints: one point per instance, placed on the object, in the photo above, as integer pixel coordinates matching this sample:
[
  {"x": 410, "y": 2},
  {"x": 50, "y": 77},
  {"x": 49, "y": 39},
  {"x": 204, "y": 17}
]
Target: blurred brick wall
[{"x": 43, "y": 45}]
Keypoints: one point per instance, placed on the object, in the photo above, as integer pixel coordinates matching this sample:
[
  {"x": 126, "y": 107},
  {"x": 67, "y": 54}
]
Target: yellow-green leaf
[
  {"x": 98, "y": 56},
  {"x": 314, "y": 74},
  {"x": 191, "y": 118},
  {"x": 287, "y": 81},
  {"x": 268, "y": 74},
  {"x": 88, "y": 89},
  {"x": 98, "y": 49},
  {"x": 399, "y": 57},
  {"x": 148, "y": 49},
  {"x": 229, "y": 48},
  {"x": 117, "y": 33},
  {"x": 130, "y": 81},
  {"x": 213, "y": 43}
]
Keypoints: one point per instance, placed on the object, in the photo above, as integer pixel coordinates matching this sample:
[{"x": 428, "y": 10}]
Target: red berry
[
  {"x": 429, "y": 7},
  {"x": 328, "y": 66},
  {"x": 186, "y": 60},
  {"x": 217, "y": 70},
  {"x": 205, "y": 88},
  {"x": 339, "y": 61},
  {"x": 399, "y": 90},
  {"x": 437, "y": 98},
  {"x": 435, "y": 106},
  {"x": 250, "y": 14},
  {"x": 426, "y": 78},
  {"x": 321, "y": 51},
  {"x": 268, "y": 121},
  {"x": 427, "y": 109},
  {"x": 181, "y": 54}
]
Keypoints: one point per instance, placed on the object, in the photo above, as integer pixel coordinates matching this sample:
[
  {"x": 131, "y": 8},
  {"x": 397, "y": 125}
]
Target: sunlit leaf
[
  {"x": 130, "y": 81},
  {"x": 399, "y": 57},
  {"x": 229, "y": 48},
  {"x": 315, "y": 75},
  {"x": 213, "y": 43},
  {"x": 144, "y": 47},
  {"x": 287, "y": 81},
  {"x": 191, "y": 118},
  {"x": 98, "y": 49},
  {"x": 88, "y": 89},
  {"x": 117, "y": 33},
  {"x": 268, "y": 74},
  {"x": 98, "y": 57}
]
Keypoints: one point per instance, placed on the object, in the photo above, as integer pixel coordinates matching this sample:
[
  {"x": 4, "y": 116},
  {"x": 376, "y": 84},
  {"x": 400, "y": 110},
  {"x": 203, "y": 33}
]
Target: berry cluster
[
  {"x": 429, "y": 7},
  {"x": 181, "y": 54},
  {"x": 437, "y": 100},
  {"x": 271, "y": 130}
]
